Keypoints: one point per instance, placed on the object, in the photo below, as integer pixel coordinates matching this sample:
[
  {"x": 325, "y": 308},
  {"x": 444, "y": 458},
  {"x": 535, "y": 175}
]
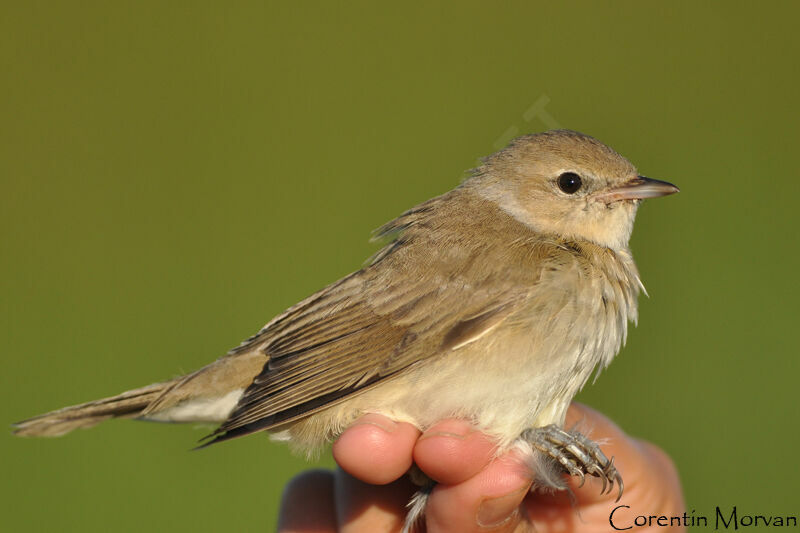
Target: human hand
[{"x": 475, "y": 491}]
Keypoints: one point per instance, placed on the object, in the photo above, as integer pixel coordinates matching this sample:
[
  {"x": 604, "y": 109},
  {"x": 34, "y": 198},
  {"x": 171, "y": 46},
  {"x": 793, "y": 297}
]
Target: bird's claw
[{"x": 577, "y": 455}]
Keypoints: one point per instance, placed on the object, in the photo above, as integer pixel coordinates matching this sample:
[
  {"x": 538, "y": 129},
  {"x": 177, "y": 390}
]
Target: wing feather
[{"x": 408, "y": 305}]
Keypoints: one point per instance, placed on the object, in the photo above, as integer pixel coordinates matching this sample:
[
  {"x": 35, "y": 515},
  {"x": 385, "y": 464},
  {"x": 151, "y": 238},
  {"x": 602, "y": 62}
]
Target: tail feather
[
  {"x": 207, "y": 395},
  {"x": 129, "y": 404}
]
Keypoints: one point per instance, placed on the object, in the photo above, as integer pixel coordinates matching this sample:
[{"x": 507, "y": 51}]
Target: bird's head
[{"x": 569, "y": 184}]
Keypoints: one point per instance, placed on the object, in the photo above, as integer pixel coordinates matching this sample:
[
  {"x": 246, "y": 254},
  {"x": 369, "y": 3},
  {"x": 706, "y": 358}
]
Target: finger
[
  {"x": 452, "y": 451},
  {"x": 661, "y": 473},
  {"x": 376, "y": 449},
  {"x": 365, "y": 508},
  {"x": 488, "y": 501},
  {"x": 307, "y": 505}
]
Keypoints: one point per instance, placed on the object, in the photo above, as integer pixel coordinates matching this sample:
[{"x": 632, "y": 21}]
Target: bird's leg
[
  {"x": 576, "y": 454},
  {"x": 416, "y": 509},
  {"x": 416, "y": 506}
]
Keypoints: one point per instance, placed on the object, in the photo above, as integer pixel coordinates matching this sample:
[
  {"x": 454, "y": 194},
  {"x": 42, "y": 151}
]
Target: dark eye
[{"x": 569, "y": 182}]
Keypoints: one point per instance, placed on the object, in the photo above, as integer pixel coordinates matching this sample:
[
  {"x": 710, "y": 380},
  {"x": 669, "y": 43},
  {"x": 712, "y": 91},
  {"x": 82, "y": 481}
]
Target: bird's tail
[
  {"x": 205, "y": 396},
  {"x": 129, "y": 404}
]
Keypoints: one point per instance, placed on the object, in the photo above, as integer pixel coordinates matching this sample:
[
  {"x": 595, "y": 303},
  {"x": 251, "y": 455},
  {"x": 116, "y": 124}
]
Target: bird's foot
[{"x": 576, "y": 454}]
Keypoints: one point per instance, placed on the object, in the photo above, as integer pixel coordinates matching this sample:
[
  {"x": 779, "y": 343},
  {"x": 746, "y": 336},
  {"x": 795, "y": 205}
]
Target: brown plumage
[
  {"x": 493, "y": 302},
  {"x": 126, "y": 405}
]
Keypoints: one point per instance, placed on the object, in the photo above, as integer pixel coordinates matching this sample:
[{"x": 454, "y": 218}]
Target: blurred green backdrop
[{"x": 175, "y": 174}]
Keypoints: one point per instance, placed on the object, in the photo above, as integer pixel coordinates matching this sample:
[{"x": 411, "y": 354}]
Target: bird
[{"x": 493, "y": 302}]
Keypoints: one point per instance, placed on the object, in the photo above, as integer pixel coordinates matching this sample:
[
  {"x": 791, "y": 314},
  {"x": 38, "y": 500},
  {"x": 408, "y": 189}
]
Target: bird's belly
[
  {"x": 504, "y": 383},
  {"x": 503, "y": 397}
]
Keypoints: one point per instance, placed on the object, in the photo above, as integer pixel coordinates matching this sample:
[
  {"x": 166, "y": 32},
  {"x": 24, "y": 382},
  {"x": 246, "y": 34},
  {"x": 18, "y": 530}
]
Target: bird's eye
[{"x": 569, "y": 182}]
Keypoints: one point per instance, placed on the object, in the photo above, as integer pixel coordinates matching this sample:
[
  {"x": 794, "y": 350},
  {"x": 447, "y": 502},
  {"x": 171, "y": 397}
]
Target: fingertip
[
  {"x": 659, "y": 457},
  {"x": 662, "y": 469},
  {"x": 375, "y": 449},
  {"x": 452, "y": 451}
]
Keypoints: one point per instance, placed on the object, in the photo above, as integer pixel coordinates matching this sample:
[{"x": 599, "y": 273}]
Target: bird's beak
[{"x": 638, "y": 188}]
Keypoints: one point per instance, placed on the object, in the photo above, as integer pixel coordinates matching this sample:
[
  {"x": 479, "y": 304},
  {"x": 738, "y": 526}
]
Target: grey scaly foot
[{"x": 576, "y": 454}]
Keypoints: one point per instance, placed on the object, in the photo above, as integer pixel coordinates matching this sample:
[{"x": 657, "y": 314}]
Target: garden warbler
[{"x": 492, "y": 302}]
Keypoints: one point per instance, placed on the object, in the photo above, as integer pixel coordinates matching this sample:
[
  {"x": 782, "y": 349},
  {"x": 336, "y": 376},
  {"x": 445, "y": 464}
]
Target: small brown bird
[{"x": 493, "y": 303}]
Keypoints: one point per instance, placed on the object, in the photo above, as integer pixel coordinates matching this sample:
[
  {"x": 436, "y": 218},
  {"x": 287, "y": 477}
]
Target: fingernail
[
  {"x": 455, "y": 429},
  {"x": 378, "y": 421},
  {"x": 494, "y": 512}
]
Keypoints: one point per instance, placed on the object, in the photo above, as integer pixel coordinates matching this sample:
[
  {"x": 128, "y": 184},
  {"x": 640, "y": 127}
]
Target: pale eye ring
[{"x": 569, "y": 182}]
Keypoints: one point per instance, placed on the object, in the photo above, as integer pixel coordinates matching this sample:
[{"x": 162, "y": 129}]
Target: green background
[{"x": 174, "y": 174}]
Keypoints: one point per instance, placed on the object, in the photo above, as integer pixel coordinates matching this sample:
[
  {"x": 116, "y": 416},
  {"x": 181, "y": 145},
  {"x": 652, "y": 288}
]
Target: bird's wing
[{"x": 369, "y": 327}]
